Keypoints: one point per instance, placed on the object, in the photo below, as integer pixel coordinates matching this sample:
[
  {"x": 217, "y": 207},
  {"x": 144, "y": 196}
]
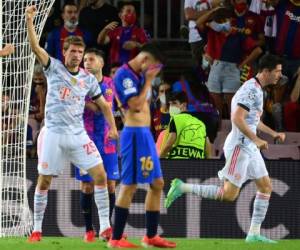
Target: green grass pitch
[{"x": 64, "y": 243}]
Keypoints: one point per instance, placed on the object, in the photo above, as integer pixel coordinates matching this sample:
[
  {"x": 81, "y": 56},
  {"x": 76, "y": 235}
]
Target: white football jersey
[
  {"x": 250, "y": 97},
  {"x": 65, "y": 99}
]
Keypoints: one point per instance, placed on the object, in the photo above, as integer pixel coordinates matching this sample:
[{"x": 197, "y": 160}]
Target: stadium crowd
[{"x": 227, "y": 38}]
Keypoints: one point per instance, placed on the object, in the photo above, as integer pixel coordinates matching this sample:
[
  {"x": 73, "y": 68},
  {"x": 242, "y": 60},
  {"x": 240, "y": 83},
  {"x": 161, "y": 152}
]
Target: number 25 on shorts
[{"x": 147, "y": 165}]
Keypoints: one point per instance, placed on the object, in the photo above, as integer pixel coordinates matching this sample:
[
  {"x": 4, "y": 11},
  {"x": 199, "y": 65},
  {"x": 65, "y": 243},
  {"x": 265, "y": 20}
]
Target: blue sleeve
[
  {"x": 176, "y": 87},
  {"x": 50, "y": 44},
  {"x": 126, "y": 86},
  {"x": 88, "y": 39}
]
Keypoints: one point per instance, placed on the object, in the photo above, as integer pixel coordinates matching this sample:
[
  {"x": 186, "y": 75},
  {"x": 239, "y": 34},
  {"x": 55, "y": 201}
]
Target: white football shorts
[
  {"x": 242, "y": 165},
  {"x": 56, "y": 150}
]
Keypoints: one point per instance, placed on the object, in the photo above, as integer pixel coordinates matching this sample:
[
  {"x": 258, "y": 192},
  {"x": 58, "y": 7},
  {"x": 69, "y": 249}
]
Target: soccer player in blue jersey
[
  {"x": 64, "y": 139},
  {"x": 97, "y": 129},
  {"x": 242, "y": 150},
  {"x": 140, "y": 163}
]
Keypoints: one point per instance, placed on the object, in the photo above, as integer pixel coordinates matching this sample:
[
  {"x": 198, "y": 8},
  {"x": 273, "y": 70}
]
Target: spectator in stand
[
  {"x": 186, "y": 136},
  {"x": 292, "y": 108},
  {"x": 36, "y": 108},
  {"x": 124, "y": 40},
  {"x": 288, "y": 35},
  {"x": 273, "y": 106},
  {"x": 233, "y": 38},
  {"x": 160, "y": 115},
  {"x": 55, "y": 39},
  {"x": 200, "y": 103},
  {"x": 95, "y": 15},
  {"x": 193, "y": 9}
]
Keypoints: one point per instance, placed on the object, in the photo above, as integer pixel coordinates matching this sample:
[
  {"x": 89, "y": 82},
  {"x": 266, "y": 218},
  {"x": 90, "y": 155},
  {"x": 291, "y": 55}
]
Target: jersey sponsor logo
[{"x": 64, "y": 93}]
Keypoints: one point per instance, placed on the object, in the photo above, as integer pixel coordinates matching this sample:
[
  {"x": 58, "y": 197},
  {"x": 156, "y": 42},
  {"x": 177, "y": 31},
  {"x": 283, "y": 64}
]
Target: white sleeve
[
  {"x": 95, "y": 90},
  {"x": 188, "y": 4},
  {"x": 52, "y": 65}
]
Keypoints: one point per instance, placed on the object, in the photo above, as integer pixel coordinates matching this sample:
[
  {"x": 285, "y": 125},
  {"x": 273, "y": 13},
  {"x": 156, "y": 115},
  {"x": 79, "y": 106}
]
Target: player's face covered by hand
[{"x": 73, "y": 55}]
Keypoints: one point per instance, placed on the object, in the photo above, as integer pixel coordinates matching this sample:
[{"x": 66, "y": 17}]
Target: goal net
[{"x": 15, "y": 85}]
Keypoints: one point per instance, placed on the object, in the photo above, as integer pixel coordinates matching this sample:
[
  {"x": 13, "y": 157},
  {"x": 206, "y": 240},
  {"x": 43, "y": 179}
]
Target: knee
[
  {"x": 111, "y": 186},
  {"x": 157, "y": 185},
  {"x": 230, "y": 196},
  {"x": 87, "y": 187},
  {"x": 100, "y": 178},
  {"x": 267, "y": 189},
  {"x": 44, "y": 182}
]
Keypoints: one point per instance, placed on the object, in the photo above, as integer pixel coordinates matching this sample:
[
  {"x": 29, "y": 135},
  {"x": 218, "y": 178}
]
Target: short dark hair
[
  {"x": 153, "y": 50},
  {"x": 72, "y": 3},
  {"x": 269, "y": 62},
  {"x": 181, "y": 97},
  {"x": 95, "y": 51},
  {"x": 122, "y": 4}
]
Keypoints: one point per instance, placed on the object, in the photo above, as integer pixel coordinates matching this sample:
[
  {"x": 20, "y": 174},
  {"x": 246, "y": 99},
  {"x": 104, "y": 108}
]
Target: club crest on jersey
[
  {"x": 108, "y": 92},
  {"x": 73, "y": 81}
]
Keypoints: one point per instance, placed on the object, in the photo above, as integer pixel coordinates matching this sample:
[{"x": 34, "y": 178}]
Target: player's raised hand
[
  {"x": 279, "y": 136},
  {"x": 7, "y": 50},
  {"x": 113, "y": 134},
  {"x": 152, "y": 71},
  {"x": 261, "y": 144},
  {"x": 30, "y": 12}
]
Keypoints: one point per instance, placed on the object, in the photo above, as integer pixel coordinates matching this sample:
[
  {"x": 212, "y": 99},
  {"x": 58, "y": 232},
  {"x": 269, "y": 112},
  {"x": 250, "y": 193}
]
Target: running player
[
  {"x": 140, "y": 163},
  {"x": 97, "y": 129},
  {"x": 7, "y": 50},
  {"x": 243, "y": 157},
  {"x": 64, "y": 138}
]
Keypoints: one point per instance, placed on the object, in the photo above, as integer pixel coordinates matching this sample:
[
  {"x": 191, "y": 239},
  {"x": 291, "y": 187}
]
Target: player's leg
[
  {"x": 111, "y": 166},
  {"x": 261, "y": 203},
  {"x": 86, "y": 202},
  {"x": 152, "y": 207},
  {"x": 111, "y": 186},
  {"x": 234, "y": 173},
  {"x": 84, "y": 154},
  {"x": 101, "y": 199},
  {"x": 50, "y": 162},
  {"x": 123, "y": 202}
]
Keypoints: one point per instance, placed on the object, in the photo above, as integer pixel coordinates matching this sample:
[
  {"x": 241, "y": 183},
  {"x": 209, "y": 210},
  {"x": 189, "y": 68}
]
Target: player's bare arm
[
  {"x": 7, "y": 50},
  {"x": 106, "y": 110},
  {"x": 40, "y": 53},
  {"x": 238, "y": 118},
  {"x": 276, "y": 135}
]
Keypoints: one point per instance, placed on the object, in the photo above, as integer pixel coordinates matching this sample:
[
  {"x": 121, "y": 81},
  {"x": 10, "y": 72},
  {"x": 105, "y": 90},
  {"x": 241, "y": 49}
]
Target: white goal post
[{"x": 15, "y": 86}]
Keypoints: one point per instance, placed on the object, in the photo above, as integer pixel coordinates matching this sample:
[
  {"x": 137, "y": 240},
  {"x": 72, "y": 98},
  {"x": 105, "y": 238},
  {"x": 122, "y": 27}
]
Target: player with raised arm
[
  {"x": 140, "y": 163},
  {"x": 97, "y": 129},
  {"x": 64, "y": 138},
  {"x": 242, "y": 150}
]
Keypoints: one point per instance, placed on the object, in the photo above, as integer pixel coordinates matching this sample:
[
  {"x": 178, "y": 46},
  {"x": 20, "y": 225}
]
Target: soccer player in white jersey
[
  {"x": 64, "y": 138},
  {"x": 242, "y": 150}
]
